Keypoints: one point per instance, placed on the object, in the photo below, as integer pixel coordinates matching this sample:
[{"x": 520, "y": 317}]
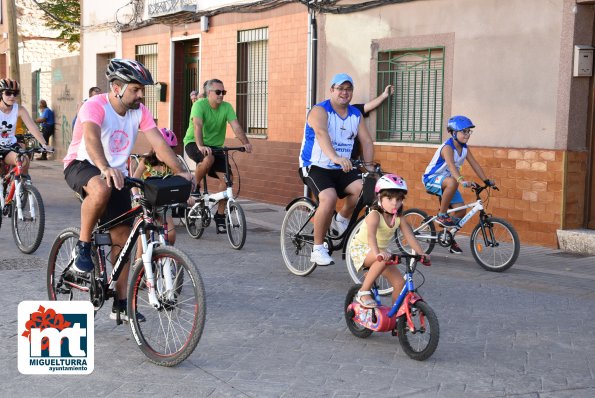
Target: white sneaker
[
  {"x": 337, "y": 227},
  {"x": 321, "y": 257}
]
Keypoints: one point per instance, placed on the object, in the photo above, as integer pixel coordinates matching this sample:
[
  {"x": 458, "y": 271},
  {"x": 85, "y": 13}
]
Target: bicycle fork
[
  {"x": 19, "y": 201},
  {"x": 150, "y": 276}
]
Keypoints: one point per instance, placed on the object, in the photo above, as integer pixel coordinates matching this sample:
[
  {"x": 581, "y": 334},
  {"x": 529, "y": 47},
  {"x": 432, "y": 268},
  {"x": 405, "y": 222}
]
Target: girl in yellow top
[
  {"x": 151, "y": 166},
  {"x": 371, "y": 241}
]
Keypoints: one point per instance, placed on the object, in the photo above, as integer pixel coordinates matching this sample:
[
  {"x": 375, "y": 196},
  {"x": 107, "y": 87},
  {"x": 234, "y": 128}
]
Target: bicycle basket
[
  {"x": 167, "y": 191},
  {"x": 368, "y": 195}
]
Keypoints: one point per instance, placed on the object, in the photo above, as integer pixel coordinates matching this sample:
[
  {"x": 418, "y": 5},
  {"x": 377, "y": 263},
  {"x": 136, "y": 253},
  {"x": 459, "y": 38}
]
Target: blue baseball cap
[{"x": 341, "y": 78}]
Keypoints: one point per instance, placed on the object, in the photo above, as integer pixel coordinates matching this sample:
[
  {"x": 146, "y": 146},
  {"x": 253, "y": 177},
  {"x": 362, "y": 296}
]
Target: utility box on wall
[{"x": 583, "y": 61}]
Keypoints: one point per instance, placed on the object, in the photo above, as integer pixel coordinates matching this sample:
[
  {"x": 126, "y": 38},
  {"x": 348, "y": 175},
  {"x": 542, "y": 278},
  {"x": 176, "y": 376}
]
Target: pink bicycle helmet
[
  {"x": 390, "y": 181},
  {"x": 169, "y": 137}
]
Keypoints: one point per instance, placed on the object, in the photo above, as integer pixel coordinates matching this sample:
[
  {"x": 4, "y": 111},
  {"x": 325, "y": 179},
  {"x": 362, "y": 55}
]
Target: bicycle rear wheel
[
  {"x": 384, "y": 286},
  {"x": 421, "y": 342},
  {"x": 28, "y": 231},
  {"x": 297, "y": 238},
  {"x": 235, "y": 221},
  {"x": 500, "y": 248},
  {"x": 425, "y": 233},
  {"x": 171, "y": 332},
  {"x": 61, "y": 256}
]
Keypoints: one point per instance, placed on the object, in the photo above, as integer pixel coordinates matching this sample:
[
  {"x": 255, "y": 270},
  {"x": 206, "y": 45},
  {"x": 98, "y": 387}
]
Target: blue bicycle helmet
[{"x": 458, "y": 123}]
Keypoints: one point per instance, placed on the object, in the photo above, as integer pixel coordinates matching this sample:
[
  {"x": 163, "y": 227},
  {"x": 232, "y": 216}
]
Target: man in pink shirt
[{"x": 95, "y": 165}]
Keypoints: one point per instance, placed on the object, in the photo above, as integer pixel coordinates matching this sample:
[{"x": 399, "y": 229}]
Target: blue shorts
[{"x": 433, "y": 185}]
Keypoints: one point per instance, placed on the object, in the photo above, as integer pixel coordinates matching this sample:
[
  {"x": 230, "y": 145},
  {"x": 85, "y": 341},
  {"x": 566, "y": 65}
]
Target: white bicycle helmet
[{"x": 390, "y": 181}]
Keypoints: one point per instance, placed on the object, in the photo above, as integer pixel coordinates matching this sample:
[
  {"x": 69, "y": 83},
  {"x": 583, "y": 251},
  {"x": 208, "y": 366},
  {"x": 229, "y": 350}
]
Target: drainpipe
[{"x": 311, "y": 68}]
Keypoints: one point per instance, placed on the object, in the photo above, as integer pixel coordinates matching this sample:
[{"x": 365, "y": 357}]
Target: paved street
[{"x": 529, "y": 332}]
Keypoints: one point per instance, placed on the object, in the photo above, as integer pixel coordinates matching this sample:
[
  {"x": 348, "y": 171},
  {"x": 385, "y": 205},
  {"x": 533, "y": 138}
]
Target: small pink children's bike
[{"x": 410, "y": 318}]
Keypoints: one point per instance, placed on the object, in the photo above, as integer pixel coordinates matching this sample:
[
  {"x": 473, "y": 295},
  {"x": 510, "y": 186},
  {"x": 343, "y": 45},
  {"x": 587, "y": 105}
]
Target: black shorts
[
  {"x": 319, "y": 179},
  {"x": 77, "y": 175},
  {"x": 5, "y": 150},
  {"x": 218, "y": 166}
]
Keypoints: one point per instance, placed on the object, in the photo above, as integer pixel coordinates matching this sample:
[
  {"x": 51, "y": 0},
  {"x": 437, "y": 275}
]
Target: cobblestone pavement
[{"x": 528, "y": 332}]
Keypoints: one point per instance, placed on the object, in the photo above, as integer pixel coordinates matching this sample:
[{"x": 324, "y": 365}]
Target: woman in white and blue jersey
[{"x": 325, "y": 166}]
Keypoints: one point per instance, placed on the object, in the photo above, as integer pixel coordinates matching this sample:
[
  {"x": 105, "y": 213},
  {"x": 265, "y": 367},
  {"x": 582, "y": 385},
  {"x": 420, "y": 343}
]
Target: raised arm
[{"x": 375, "y": 103}]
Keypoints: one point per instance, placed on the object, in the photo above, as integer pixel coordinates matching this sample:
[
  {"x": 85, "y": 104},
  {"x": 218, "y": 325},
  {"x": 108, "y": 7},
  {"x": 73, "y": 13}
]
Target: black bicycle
[
  {"x": 166, "y": 286},
  {"x": 297, "y": 230}
]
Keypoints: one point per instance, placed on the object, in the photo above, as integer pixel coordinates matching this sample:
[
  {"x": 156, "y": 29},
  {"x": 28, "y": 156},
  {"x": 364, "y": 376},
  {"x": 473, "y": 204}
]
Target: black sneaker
[
  {"x": 122, "y": 306},
  {"x": 82, "y": 260},
  {"x": 445, "y": 220},
  {"x": 220, "y": 223},
  {"x": 455, "y": 248}
]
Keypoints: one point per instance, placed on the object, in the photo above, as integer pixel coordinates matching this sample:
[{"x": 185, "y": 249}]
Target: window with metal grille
[
  {"x": 146, "y": 54},
  {"x": 414, "y": 112},
  {"x": 252, "y": 81}
]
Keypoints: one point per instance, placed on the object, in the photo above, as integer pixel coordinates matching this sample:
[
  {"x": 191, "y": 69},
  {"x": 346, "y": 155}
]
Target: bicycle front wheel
[
  {"x": 172, "y": 330},
  {"x": 235, "y": 221},
  {"x": 193, "y": 221},
  {"x": 499, "y": 249},
  {"x": 425, "y": 232},
  {"x": 61, "y": 257},
  {"x": 420, "y": 342},
  {"x": 28, "y": 229},
  {"x": 384, "y": 286},
  {"x": 297, "y": 238}
]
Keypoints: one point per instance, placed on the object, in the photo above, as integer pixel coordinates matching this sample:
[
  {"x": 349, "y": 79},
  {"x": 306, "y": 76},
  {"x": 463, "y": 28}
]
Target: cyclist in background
[
  {"x": 208, "y": 124},
  {"x": 443, "y": 175},
  {"x": 95, "y": 167},
  {"x": 9, "y": 112},
  {"x": 331, "y": 129}
]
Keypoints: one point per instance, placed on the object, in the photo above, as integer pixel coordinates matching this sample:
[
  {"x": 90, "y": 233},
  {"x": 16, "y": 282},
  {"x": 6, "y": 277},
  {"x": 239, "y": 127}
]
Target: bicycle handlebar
[
  {"x": 229, "y": 148},
  {"x": 395, "y": 258},
  {"x": 22, "y": 151}
]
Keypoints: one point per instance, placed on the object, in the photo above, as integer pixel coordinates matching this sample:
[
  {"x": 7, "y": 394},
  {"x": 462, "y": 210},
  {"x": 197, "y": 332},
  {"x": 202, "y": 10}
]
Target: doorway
[{"x": 186, "y": 79}]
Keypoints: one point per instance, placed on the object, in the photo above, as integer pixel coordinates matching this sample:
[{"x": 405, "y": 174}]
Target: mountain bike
[
  {"x": 165, "y": 287},
  {"x": 410, "y": 318},
  {"x": 297, "y": 230},
  {"x": 200, "y": 215},
  {"x": 495, "y": 244},
  {"x": 22, "y": 202}
]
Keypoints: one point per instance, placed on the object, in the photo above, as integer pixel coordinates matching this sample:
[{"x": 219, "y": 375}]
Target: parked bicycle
[
  {"x": 495, "y": 244},
  {"x": 410, "y": 318},
  {"x": 297, "y": 230},
  {"x": 165, "y": 287},
  {"x": 201, "y": 214},
  {"x": 22, "y": 202}
]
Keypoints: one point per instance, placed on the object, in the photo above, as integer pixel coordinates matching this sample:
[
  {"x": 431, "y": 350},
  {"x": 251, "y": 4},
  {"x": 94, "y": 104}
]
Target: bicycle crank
[{"x": 445, "y": 238}]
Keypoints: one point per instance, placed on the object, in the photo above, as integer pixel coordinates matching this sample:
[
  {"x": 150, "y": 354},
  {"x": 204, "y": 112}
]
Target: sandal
[{"x": 369, "y": 303}]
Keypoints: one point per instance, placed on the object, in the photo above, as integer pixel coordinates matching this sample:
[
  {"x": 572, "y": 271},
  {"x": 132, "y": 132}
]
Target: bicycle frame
[
  {"x": 13, "y": 181},
  {"x": 475, "y": 207}
]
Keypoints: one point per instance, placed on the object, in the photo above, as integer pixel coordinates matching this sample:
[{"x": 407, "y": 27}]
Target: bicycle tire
[
  {"x": 497, "y": 258},
  {"x": 61, "y": 256},
  {"x": 28, "y": 233},
  {"x": 416, "y": 218},
  {"x": 193, "y": 222},
  {"x": 420, "y": 344},
  {"x": 170, "y": 333},
  {"x": 384, "y": 286},
  {"x": 235, "y": 223},
  {"x": 355, "y": 328},
  {"x": 296, "y": 250}
]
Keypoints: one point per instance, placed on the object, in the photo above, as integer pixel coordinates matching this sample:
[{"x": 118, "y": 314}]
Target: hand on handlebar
[
  {"x": 113, "y": 177},
  {"x": 343, "y": 162},
  {"x": 248, "y": 147},
  {"x": 426, "y": 260},
  {"x": 383, "y": 256},
  {"x": 48, "y": 148}
]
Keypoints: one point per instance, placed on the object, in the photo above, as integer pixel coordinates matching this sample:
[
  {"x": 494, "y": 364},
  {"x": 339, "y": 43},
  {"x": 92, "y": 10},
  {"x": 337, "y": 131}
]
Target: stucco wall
[{"x": 505, "y": 60}]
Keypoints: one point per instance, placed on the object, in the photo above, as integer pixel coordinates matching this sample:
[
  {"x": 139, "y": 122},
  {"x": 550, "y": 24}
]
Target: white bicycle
[{"x": 200, "y": 215}]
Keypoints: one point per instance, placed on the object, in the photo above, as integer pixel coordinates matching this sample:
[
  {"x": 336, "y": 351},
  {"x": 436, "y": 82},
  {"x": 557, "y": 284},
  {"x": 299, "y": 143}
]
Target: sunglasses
[
  {"x": 10, "y": 93},
  {"x": 219, "y": 92}
]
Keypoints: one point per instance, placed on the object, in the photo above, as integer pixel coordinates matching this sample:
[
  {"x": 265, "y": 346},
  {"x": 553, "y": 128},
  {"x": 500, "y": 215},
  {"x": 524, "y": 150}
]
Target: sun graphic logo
[
  {"x": 56, "y": 337},
  {"x": 119, "y": 141}
]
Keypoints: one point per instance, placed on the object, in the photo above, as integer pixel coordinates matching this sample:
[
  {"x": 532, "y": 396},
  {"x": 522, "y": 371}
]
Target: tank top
[
  {"x": 384, "y": 234},
  {"x": 438, "y": 165},
  {"x": 10, "y": 122}
]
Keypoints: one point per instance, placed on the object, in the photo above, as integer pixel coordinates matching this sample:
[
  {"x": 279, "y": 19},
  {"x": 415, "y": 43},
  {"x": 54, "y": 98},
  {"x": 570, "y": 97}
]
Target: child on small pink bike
[{"x": 369, "y": 248}]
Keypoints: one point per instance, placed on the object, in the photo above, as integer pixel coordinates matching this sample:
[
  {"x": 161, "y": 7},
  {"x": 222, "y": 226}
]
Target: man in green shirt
[{"x": 206, "y": 130}]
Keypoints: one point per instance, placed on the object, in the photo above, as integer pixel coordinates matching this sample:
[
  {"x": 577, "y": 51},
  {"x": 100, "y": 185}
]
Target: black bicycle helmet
[
  {"x": 128, "y": 71},
  {"x": 7, "y": 84}
]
